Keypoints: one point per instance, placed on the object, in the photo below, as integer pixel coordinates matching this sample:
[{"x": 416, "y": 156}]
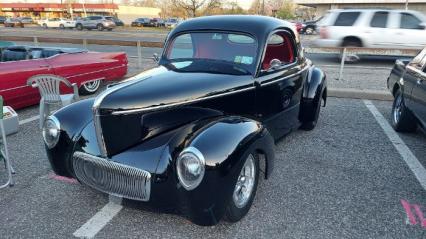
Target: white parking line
[
  {"x": 28, "y": 120},
  {"x": 100, "y": 219},
  {"x": 406, "y": 154}
]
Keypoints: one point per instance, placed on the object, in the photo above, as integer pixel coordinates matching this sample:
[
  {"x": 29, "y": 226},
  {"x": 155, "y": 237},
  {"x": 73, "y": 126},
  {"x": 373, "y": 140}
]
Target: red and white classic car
[{"x": 87, "y": 69}]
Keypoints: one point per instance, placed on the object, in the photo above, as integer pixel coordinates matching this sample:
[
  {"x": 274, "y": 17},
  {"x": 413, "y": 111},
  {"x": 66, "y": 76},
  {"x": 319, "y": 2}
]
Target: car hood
[
  {"x": 162, "y": 88},
  {"x": 158, "y": 101}
]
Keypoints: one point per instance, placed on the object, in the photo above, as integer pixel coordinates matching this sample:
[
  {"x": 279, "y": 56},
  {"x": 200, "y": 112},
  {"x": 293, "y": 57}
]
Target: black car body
[
  {"x": 407, "y": 83},
  {"x": 141, "y": 22},
  {"x": 193, "y": 133}
]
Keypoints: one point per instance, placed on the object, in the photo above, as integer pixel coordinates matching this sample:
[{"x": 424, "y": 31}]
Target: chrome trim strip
[
  {"x": 96, "y": 114},
  {"x": 209, "y": 97},
  {"x": 15, "y": 88},
  {"x": 179, "y": 103},
  {"x": 87, "y": 73}
]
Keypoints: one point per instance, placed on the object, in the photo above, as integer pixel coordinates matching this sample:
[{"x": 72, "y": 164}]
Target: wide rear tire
[{"x": 402, "y": 118}]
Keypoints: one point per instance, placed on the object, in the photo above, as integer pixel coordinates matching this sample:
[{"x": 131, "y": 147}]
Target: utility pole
[
  {"x": 263, "y": 7},
  {"x": 406, "y": 4}
]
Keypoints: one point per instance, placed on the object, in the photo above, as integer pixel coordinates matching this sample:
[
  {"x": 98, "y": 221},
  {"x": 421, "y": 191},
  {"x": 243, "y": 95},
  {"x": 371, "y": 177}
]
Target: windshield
[{"x": 215, "y": 50}]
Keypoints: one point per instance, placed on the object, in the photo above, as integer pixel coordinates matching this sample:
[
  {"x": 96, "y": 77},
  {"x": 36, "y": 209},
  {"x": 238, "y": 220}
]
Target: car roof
[{"x": 258, "y": 26}]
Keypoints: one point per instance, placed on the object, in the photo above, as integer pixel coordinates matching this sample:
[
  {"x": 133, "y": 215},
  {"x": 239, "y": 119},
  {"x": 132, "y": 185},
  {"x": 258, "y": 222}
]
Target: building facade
[
  {"x": 322, "y": 6},
  {"x": 71, "y": 10}
]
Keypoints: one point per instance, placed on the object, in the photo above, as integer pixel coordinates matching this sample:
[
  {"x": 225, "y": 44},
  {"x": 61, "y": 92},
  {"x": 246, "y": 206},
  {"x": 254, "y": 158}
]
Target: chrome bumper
[{"x": 111, "y": 177}]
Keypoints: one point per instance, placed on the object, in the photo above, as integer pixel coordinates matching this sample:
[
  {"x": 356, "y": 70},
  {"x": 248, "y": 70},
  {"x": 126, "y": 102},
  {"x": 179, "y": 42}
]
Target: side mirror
[{"x": 155, "y": 57}]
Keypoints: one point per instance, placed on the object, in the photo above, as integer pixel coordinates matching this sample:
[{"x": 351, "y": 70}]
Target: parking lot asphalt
[{"x": 344, "y": 179}]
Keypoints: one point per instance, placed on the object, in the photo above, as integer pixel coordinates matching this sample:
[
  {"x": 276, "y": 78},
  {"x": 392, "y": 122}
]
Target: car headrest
[{"x": 8, "y": 55}]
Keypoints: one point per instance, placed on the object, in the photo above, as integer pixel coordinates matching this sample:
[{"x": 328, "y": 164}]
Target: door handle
[
  {"x": 44, "y": 66},
  {"x": 399, "y": 33}
]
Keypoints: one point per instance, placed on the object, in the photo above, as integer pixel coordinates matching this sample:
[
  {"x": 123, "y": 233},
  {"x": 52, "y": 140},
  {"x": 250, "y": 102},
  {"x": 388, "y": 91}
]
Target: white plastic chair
[
  {"x": 48, "y": 86},
  {"x": 4, "y": 154}
]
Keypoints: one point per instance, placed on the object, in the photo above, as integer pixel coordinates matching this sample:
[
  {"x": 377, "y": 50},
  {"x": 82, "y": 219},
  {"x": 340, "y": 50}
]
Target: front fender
[
  {"x": 73, "y": 119},
  {"x": 223, "y": 142}
]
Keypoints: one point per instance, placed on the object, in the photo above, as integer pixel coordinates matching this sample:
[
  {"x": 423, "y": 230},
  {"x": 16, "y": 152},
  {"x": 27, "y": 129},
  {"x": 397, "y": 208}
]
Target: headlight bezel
[
  {"x": 57, "y": 126},
  {"x": 195, "y": 154}
]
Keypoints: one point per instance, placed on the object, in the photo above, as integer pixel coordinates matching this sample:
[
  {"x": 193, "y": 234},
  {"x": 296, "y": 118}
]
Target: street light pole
[{"x": 406, "y": 4}]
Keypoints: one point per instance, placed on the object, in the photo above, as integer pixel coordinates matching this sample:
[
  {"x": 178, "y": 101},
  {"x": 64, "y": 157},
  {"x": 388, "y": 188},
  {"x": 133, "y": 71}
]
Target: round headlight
[
  {"x": 51, "y": 131},
  {"x": 190, "y": 168}
]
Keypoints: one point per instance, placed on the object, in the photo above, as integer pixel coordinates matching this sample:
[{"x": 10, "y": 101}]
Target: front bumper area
[{"x": 111, "y": 177}]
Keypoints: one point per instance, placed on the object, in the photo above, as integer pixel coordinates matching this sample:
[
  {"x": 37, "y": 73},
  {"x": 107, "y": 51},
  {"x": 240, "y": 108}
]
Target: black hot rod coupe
[
  {"x": 195, "y": 132},
  {"x": 407, "y": 83}
]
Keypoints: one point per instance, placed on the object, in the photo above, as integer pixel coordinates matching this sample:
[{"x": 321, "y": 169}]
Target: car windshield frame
[{"x": 249, "y": 68}]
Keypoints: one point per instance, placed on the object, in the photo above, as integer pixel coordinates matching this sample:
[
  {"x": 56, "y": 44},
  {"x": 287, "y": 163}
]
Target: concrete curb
[{"x": 360, "y": 94}]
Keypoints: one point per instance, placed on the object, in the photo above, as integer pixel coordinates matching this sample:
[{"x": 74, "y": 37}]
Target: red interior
[{"x": 283, "y": 52}]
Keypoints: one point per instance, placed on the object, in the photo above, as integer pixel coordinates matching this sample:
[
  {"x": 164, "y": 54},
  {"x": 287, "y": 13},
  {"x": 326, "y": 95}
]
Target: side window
[
  {"x": 346, "y": 18},
  {"x": 279, "y": 51},
  {"x": 380, "y": 19},
  {"x": 182, "y": 47},
  {"x": 408, "y": 21}
]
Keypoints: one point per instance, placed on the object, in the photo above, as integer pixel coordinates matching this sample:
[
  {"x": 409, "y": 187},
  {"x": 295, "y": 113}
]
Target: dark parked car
[
  {"x": 407, "y": 82},
  {"x": 117, "y": 21},
  {"x": 13, "y": 22},
  {"x": 310, "y": 27},
  {"x": 2, "y": 19},
  {"x": 197, "y": 132},
  {"x": 141, "y": 22},
  {"x": 156, "y": 22}
]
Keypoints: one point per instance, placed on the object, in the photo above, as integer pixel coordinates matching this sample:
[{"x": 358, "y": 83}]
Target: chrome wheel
[
  {"x": 92, "y": 86},
  {"x": 245, "y": 183},
  {"x": 397, "y": 109},
  {"x": 309, "y": 31}
]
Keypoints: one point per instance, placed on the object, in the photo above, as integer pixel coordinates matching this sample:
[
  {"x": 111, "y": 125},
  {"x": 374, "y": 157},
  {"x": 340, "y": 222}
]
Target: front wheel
[
  {"x": 89, "y": 88},
  {"x": 244, "y": 190},
  {"x": 62, "y": 26},
  {"x": 45, "y": 26},
  {"x": 100, "y": 27},
  {"x": 402, "y": 119},
  {"x": 79, "y": 27}
]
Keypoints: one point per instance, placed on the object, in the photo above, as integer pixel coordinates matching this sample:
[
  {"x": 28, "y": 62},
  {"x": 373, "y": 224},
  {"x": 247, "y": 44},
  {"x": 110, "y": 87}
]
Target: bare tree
[{"x": 193, "y": 6}]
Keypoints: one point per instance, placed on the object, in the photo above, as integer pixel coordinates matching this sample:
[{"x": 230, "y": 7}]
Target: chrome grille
[{"x": 111, "y": 177}]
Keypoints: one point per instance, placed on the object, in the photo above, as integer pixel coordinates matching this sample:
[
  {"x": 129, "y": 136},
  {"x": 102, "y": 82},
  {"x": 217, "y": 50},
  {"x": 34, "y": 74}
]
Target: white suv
[{"x": 373, "y": 28}]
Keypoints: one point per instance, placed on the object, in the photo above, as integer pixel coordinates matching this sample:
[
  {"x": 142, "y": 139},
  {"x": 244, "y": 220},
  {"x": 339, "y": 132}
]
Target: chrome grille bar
[{"x": 111, "y": 177}]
